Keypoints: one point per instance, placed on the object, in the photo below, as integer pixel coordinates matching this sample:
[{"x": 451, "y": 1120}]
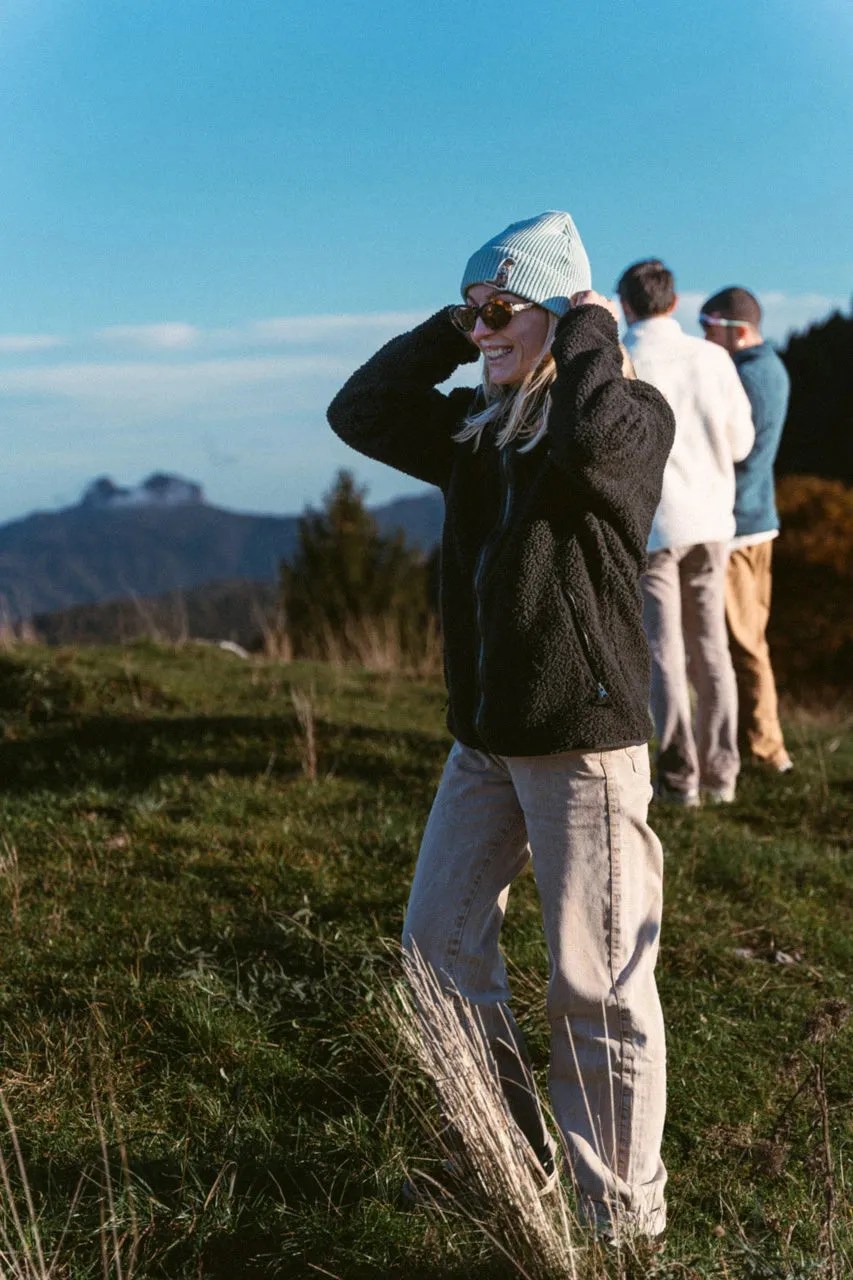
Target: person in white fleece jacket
[{"x": 684, "y": 584}]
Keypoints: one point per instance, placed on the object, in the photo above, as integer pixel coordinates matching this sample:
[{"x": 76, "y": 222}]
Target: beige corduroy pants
[
  {"x": 581, "y": 817},
  {"x": 748, "y": 582}
]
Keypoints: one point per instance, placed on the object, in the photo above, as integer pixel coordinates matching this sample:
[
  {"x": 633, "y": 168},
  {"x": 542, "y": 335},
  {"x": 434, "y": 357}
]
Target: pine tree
[{"x": 346, "y": 576}]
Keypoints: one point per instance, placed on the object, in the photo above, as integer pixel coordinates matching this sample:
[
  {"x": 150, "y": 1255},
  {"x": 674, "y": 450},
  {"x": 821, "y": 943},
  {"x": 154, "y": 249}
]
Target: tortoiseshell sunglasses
[{"x": 496, "y": 313}]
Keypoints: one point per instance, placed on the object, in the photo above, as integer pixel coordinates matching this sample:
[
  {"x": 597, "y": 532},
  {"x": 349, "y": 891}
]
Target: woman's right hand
[{"x": 589, "y": 298}]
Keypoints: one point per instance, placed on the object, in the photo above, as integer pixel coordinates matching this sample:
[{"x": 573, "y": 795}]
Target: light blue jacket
[{"x": 766, "y": 382}]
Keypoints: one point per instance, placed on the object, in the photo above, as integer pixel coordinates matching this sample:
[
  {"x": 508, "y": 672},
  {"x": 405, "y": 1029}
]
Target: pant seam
[{"x": 626, "y": 1052}]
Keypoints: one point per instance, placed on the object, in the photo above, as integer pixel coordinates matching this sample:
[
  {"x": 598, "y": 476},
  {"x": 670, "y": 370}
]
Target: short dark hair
[
  {"x": 734, "y": 303},
  {"x": 648, "y": 287}
]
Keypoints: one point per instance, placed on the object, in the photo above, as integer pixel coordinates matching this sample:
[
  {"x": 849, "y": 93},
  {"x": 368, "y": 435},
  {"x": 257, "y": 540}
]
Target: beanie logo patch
[{"x": 503, "y": 273}]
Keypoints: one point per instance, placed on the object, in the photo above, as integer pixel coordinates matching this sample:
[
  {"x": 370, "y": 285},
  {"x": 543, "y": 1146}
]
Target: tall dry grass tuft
[
  {"x": 27, "y": 634},
  {"x": 12, "y": 877},
  {"x": 430, "y": 662},
  {"x": 8, "y": 638},
  {"x": 148, "y": 623},
  {"x": 119, "y": 1239},
  {"x": 23, "y": 1255},
  {"x": 821, "y": 1030},
  {"x": 442, "y": 1033},
  {"x": 305, "y": 706},
  {"x": 275, "y": 635},
  {"x": 377, "y": 644},
  {"x": 374, "y": 643}
]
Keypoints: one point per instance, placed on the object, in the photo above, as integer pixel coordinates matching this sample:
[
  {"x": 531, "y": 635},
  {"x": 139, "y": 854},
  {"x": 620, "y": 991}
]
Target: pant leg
[
  {"x": 747, "y": 614},
  {"x": 678, "y": 766},
  {"x": 709, "y": 663},
  {"x": 599, "y": 869},
  {"x": 474, "y": 845}
]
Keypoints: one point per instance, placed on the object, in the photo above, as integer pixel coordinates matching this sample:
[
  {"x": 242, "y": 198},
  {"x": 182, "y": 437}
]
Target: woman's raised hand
[{"x": 589, "y": 298}]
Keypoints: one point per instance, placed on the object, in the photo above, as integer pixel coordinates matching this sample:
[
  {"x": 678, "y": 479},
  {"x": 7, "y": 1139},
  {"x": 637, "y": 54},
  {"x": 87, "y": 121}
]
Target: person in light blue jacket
[{"x": 732, "y": 319}]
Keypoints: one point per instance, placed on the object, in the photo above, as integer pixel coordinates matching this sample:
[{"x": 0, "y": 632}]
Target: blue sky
[{"x": 212, "y": 212}]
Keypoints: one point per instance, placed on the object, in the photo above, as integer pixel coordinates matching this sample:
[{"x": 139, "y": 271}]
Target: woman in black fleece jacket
[{"x": 551, "y": 473}]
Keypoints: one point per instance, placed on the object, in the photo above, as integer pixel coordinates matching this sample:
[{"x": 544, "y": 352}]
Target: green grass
[{"x": 192, "y": 940}]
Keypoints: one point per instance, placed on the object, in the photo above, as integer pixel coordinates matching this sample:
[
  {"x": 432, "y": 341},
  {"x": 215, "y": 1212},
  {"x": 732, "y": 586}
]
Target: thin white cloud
[
  {"x": 274, "y": 368},
  {"x": 784, "y": 313},
  {"x": 131, "y": 391},
  {"x": 166, "y": 336},
  {"x": 20, "y": 343},
  {"x": 275, "y": 331},
  {"x": 300, "y": 330}
]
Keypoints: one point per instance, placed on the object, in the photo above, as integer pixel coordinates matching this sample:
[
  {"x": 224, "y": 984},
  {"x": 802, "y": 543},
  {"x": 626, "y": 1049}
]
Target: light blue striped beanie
[{"x": 541, "y": 259}]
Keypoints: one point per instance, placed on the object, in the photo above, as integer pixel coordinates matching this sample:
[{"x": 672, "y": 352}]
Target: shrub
[{"x": 811, "y": 630}]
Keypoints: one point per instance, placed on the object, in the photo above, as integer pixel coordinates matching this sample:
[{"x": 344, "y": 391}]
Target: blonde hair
[{"x": 519, "y": 413}]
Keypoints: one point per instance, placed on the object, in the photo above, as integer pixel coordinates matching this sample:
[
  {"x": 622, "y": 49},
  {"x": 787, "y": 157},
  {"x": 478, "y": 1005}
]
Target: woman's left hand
[{"x": 589, "y": 298}]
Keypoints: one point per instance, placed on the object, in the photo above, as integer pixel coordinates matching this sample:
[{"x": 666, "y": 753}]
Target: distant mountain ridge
[
  {"x": 159, "y": 537},
  {"x": 157, "y": 490}
]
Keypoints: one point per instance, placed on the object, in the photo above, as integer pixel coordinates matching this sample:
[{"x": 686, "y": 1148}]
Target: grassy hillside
[{"x": 192, "y": 963}]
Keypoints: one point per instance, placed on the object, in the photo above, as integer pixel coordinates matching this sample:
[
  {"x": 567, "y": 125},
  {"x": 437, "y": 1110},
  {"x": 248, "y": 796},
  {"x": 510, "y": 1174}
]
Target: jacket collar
[
  {"x": 757, "y": 352},
  {"x": 655, "y": 327}
]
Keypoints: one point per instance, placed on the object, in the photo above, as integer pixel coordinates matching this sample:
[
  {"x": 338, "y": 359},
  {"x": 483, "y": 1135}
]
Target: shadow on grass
[
  {"x": 232, "y": 1215},
  {"x": 114, "y": 751},
  {"x": 196, "y": 1209}
]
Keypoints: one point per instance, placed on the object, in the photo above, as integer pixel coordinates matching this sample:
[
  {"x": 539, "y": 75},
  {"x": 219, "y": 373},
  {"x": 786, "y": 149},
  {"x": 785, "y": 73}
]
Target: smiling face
[{"x": 515, "y": 351}]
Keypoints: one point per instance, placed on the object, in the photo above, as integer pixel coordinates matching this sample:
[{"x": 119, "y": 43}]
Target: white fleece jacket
[{"x": 713, "y": 431}]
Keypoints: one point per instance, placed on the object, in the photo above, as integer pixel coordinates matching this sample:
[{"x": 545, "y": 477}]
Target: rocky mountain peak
[{"x": 158, "y": 489}]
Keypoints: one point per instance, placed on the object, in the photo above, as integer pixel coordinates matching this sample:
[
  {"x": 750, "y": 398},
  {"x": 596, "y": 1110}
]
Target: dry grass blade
[
  {"x": 23, "y": 1257},
  {"x": 304, "y": 704},
  {"x": 10, "y": 871},
  {"x": 109, "y": 1225},
  {"x": 442, "y": 1033},
  {"x": 122, "y": 1263},
  {"x": 272, "y": 625}
]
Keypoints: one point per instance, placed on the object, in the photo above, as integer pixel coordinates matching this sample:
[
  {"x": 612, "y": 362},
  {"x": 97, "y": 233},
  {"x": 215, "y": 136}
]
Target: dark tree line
[{"x": 818, "y": 436}]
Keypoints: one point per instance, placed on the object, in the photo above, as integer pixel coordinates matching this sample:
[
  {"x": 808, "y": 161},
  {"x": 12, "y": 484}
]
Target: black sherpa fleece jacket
[{"x": 541, "y": 552}]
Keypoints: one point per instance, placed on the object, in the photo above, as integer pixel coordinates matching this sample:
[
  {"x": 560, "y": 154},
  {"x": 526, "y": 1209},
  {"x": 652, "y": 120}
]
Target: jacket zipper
[
  {"x": 583, "y": 635},
  {"x": 487, "y": 548}
]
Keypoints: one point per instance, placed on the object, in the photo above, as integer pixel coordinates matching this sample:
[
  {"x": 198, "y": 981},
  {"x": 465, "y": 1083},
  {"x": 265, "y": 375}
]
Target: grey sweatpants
[{"x": 684, "y": 615}]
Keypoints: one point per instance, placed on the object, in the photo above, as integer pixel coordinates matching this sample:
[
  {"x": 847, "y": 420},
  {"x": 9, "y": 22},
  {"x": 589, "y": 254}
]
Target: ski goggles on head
[
  {"x": 496, "y": 313},
  {"x": 707, "y": 321}
]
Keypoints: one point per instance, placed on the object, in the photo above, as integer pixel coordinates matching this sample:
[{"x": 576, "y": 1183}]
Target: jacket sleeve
[
  {"x": 390, "y": 409},
  {"x": 610, "y": 434},
  {"x": 769, "y": 399},
  {"x": 740, "y": 424}
]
